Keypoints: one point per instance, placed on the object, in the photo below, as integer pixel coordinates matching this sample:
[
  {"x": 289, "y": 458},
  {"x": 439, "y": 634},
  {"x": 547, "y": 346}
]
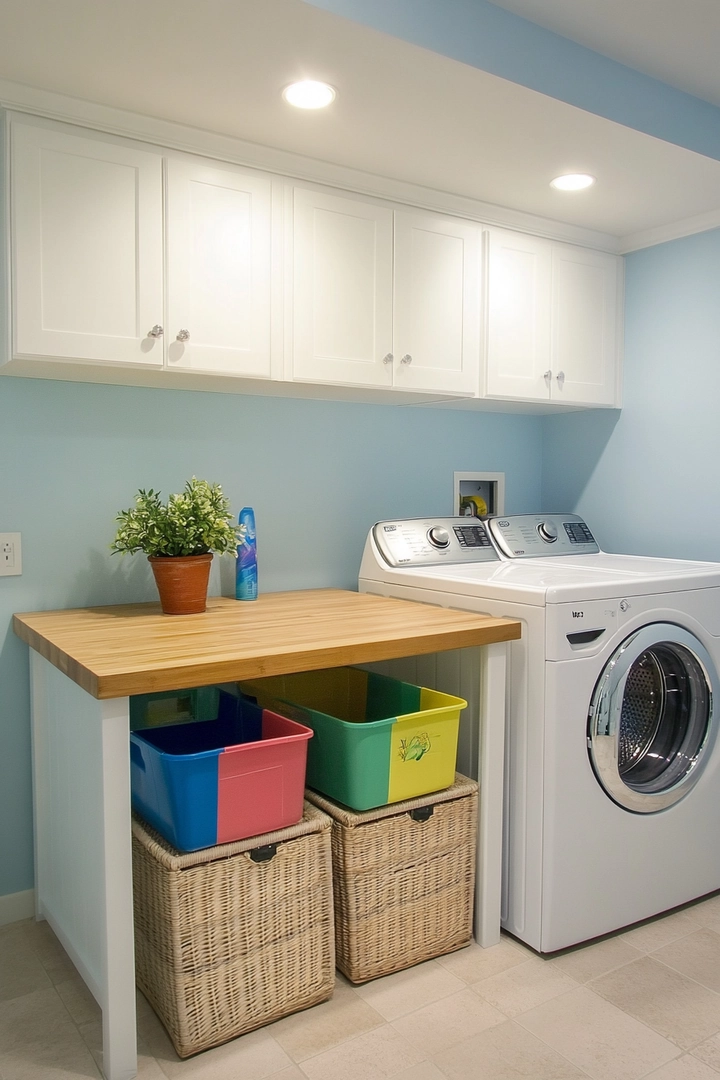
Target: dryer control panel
[
  {"x": 531, "y": 536},
  {"x": 433, "y": 541}
]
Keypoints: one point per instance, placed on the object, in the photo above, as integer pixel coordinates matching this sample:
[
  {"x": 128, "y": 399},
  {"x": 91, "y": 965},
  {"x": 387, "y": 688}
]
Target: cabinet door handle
[
  {"x": 156, "y": 332},
  {"x": 182, "y": 335},
  {"x": 407, "y": 359},
  {"x": 547, "y": 376},
  {"x": 560, "y": 377},
  {"x": 388, "y": 359}
]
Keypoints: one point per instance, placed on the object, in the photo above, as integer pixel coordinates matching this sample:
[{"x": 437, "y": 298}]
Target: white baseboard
[{"x": 16, "y": 906}]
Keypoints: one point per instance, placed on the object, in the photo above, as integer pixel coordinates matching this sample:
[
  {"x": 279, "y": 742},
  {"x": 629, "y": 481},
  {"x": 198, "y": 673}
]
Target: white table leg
[
  {"x": 83, "y": 855},
  {"x": 491, "y": 762}
]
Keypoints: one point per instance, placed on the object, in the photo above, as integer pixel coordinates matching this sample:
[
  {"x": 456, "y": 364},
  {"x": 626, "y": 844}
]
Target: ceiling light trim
[
  {"x": 576, "y": 181},
  {"x": 309, "y": 94}
]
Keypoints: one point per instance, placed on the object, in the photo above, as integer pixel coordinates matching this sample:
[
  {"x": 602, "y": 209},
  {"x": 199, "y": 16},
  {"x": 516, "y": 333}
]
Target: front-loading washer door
[{"x": 651, "y": 723}]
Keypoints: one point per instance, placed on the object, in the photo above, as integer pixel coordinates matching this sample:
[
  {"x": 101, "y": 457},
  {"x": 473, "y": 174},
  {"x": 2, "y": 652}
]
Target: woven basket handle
[{"x": 263, "y": 854}]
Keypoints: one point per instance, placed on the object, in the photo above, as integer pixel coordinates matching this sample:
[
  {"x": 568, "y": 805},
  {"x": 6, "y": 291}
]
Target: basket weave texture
[
  {"x": 224, "y": 944},
  {"x": 404, "y": 888}
]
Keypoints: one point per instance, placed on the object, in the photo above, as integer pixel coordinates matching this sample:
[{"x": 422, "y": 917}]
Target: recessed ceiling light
[
  {"x": 572, "y": 182},
  {"x": 309, "y": 94}
]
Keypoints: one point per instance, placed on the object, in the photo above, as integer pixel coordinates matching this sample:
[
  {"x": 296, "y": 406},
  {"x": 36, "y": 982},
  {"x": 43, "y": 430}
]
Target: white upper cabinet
[
  {"x": 342, "y": 290},
  {"x": 384, "y": 298},
  {"x": 438, "y": 303},
  {"x": 162, "y": 268},
  {"x": 87, "y": 252},
  {"x": 218, "y": 269},
  {"x": 585, "y": 308},
  {"x": 518, "y": 316},
  {"x": 88, "y": 227},
  {"x": 553, "y": 321}
]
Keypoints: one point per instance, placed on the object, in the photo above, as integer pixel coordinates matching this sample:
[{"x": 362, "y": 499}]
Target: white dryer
[{"x": 612, "y": 771}]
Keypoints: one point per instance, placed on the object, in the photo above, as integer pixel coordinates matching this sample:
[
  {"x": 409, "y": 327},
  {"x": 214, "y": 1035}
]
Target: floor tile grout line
[
  {"x": 618, "y": 1009},
  {"x": 684, "y": 974},
  {"x": 356, "y": 1038}
]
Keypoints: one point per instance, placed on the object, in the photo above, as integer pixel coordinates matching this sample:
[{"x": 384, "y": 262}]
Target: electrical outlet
[{"x": 10, "y": 554}]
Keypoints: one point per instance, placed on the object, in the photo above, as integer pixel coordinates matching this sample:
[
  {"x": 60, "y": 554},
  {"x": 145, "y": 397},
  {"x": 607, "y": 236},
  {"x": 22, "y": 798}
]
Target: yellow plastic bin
[{"x": 376, "y": 740}]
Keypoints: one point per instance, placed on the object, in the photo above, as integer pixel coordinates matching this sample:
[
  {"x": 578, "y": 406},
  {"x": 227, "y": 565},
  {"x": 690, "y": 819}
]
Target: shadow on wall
[{"x": 572, "y": 447}]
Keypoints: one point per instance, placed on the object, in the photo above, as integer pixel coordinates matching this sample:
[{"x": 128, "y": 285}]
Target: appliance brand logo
[
  {"x": 389, "y": 528},
  {"x": 578, "y": 614}
]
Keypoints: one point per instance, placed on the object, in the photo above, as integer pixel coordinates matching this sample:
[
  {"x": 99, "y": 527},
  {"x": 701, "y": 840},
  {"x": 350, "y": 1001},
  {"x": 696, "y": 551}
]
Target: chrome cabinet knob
[
  {"x": 407, "y": 359},
  {"x": 388, "y": 359},
  {"x": 547, "y": 375},
  {"x": 182, "y": 335},
  {"x": 560, "y": 377},
  {"x": 156, "y": 332}
]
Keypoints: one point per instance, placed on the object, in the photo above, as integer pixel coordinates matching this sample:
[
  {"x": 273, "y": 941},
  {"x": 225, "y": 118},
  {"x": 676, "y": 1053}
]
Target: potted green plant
[{"x": 179, "y": 538}]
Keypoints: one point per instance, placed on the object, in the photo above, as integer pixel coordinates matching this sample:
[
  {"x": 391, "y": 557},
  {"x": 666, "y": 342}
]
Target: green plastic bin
[{"x": 376, "y": 740}]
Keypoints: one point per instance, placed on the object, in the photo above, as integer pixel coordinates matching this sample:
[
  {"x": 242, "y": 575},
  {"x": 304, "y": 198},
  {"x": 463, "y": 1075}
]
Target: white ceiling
[
  {"x": 401, "y": 111},
  {"x": 676, "y": 41}
]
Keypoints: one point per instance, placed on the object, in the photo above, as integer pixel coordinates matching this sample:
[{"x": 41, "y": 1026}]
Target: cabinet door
[
  {"x": 86, "y": 248},
  {"x": 584, "y": 335},
  {"x": 342, "y": 290},
  {"x": 518, "y": 316},
  {"x": 218, "y": 269},
  {"x": 438, "y": 300}
]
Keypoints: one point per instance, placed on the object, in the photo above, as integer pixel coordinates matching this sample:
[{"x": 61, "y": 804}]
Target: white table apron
[{"x": 83, "y": 855}]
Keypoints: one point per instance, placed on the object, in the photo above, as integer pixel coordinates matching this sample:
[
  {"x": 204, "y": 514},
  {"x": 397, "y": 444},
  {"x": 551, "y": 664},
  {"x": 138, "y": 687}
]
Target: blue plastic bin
[{"x": 215, "y": 781}]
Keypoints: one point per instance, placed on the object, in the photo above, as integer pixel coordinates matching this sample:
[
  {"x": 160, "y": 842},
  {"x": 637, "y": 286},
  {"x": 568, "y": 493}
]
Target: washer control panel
[
  {"x": 530, "y": 536},
  {"x": 432, "y": 541}
]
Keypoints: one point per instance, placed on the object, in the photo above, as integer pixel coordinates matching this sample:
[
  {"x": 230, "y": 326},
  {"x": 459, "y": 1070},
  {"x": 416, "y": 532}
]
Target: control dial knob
[
  {"x": 547, "y": 531},
  {"x": 439, "y": 537}
]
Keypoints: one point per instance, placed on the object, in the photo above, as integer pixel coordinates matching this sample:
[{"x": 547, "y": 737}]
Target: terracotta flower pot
[{"x": 182, "y": 581}]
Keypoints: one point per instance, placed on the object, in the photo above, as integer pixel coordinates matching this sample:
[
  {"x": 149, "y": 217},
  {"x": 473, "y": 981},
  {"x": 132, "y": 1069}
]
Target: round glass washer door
[{"x": 650, "y": 724}]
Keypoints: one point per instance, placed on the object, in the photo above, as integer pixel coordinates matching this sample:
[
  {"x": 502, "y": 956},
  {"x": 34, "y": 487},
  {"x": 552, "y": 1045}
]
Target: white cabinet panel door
[
  {"x": 342, "y": 290},
  {"x": 218, "y": 269},
  {"x": 518, "y": 316},
  {"x": 86, "y": 248},
  {"x": 438, "y": 294},
  {"x": 584, "y": 320}
]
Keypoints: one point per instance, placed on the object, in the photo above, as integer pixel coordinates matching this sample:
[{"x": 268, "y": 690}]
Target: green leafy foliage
[{"x": 195, "y": 522}]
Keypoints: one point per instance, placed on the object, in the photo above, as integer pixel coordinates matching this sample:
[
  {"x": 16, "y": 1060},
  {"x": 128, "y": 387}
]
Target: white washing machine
[{"x": 612, "y": 770}]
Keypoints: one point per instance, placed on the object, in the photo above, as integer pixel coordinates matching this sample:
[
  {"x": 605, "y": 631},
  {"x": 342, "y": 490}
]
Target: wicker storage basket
[
  {"x": 403, "y": 879},
  {"x": 225, "y": 943}
]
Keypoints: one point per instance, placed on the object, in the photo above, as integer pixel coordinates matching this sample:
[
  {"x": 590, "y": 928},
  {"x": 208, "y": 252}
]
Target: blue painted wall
[
  {"x": 80, "y": 453},
  {"x": 635, "y": 473}
]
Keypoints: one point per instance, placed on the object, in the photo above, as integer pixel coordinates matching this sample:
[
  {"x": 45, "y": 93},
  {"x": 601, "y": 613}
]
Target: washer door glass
[{"x": 651, "y": 718}]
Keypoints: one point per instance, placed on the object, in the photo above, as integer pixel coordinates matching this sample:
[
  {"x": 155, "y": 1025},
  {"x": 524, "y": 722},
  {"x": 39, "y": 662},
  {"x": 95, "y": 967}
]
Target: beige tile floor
[{"x": 643, "y": 1003}]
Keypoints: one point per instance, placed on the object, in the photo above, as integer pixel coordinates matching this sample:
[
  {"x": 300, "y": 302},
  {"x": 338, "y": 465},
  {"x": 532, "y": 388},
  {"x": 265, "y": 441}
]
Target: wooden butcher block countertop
[{"x": 135, "y": 649}]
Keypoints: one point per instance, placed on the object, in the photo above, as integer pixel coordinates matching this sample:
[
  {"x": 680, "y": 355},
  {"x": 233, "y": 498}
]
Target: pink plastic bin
[
  {"x": 214, "y": 781},
  {"x": 261, "y": 785}
]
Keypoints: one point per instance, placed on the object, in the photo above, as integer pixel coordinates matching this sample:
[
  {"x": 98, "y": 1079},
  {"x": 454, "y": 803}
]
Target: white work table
[{"x": 85, "y": 663}]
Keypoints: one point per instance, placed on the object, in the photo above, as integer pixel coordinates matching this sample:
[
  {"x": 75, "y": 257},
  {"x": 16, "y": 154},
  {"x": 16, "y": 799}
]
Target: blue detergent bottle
[{"x": 246, "y": 574}]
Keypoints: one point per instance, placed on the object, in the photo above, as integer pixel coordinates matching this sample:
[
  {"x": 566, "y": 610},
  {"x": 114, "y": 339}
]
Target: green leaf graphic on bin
[{"x": 415, "y": 748}]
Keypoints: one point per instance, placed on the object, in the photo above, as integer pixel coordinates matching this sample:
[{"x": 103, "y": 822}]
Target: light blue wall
[
  {"x": 635, "y": 475},
  {"x": 487, "y": 37},
  {"x": 80, "y": 452}
]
